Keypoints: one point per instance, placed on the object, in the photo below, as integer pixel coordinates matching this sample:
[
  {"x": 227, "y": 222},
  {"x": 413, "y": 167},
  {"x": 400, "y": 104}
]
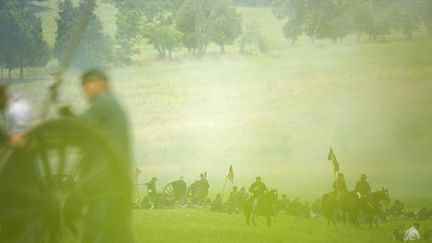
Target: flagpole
[
  {"x": 137, "y": 189},
  {"x": 226, "y": 178},
  {"x": 223, "y": 189}
]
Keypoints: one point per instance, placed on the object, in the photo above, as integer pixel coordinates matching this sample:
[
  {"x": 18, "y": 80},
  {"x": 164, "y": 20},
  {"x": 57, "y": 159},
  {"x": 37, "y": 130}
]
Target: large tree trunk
[{"x": 1, "y": 72}]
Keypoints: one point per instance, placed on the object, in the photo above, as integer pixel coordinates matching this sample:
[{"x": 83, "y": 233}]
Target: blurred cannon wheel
[
  {"x": 169, "y": 194},
  {"x": 67, "y": 184}
]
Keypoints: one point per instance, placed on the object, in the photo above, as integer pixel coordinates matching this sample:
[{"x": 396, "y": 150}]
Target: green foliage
[
  {"x": 94, "y": 48},
  {"x": 226, "y": 26},
  {"x": 202, "y": 21},
  {"x": 252, "y": 39},
  {"x": 153, "y": 21},
  {"x": 426, "y": 10},
  {"x": 22, "y": 43},
  {"x": 338, "y": 18}
]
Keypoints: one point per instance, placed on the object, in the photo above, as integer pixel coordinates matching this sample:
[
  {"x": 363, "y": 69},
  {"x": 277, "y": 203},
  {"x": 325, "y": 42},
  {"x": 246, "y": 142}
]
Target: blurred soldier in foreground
[
  {"x": 339, "y": 186},
  {"x": 363, "y": 187},
  {"x": 16, "y": 117},
  {"x": 107, "y": 114},
  {"x": 151, "y": 189}
]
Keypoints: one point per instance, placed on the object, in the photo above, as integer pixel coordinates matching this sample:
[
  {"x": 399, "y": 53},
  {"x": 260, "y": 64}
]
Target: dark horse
[
  {"x": 263, "y": 206},
  {"x": 350, "y": 205},
  {"x": 370, "y": 207},
  {"x": 330, "y": 204}
]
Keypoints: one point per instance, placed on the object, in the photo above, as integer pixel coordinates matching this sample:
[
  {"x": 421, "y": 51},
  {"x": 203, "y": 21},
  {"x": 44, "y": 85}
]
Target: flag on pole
[
  {"x": 137, "y": 172},
  {"x": 230, "y": 174},
  {"x": 332, "y": 157}
]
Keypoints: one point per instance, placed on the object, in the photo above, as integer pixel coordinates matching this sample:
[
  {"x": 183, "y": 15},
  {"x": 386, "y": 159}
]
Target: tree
[
  {"x": 202, "y": 21},
  {"x": 94, "y": 48},
  {"x": 426, "y": 6},
  {"x": 226, "y": 27},
  {"x": 22, "y": 43},
  {"x": 252, "y": 38},
  {"x": 294, "y": 11},
  {"x": 407, "y": 17},
  {"x": 152, "y": 20}
]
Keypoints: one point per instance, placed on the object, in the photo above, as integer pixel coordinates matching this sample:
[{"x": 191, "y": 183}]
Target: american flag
[{"x": 230, "y": 175}]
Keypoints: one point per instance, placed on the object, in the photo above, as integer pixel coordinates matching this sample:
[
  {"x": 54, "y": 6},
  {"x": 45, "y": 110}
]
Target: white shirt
[
  {"x": 412, "y": 234},
  {"x": 17, "y": 116}
]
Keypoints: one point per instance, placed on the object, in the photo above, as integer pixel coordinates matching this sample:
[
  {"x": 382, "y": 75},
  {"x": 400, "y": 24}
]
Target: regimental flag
[
  {"x": 332, "y": 157},
  {"x": 137, "y": 172},
  {"x": 230, "y": 174}
]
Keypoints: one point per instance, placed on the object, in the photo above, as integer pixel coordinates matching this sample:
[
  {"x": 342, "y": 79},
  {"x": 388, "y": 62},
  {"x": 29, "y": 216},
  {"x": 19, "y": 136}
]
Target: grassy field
[{"x": 199, "y": 225}]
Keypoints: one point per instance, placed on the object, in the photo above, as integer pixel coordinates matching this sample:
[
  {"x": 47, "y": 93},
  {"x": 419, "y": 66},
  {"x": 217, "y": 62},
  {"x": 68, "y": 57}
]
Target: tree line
[
  {"x": 168, "y": 25},
  {"x": 336, "y": 19}
]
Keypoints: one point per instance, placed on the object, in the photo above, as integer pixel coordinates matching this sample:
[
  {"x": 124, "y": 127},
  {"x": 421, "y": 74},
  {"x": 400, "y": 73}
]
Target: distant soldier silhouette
[
  {"x": 152, "y": 193},
  {"x": 339, "y": 186},
  {"x": 258, "y": 188},
  {"x": 363, "y": 187},
  {"x": 233, "y": 200},
  {"x": 204, "y": 188}
]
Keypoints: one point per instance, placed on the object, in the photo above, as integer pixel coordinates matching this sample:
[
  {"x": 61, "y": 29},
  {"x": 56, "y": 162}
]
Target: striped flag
[
  {"x": 230, "y": 174},
  {"x": 332, "y": 157}
]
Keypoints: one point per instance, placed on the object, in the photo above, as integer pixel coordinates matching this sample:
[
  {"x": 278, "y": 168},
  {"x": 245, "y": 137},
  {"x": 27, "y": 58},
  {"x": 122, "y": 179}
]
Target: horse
[
  {"x": 331, "y": 204},
  {"x": 263, "y": 206},
  {"x": 370, "y": 207}
]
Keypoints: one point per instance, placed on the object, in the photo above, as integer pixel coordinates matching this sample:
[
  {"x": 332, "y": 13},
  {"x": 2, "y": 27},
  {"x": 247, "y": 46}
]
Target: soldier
[
  {"x": 151, "y": 189},
  {"x": 258, "y": 189},
  {"x": 107, "y": 114},
  {"x": 16, "y": 117},
  {"x": 233, "y": 200},
  {"x": 339, "y": 186},
  {"x": 363, "y": 187},
  {"x": 204, "y": 186}
]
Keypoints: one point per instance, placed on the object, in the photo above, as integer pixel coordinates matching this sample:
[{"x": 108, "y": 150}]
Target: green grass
[{"x": 199, "y": 225}]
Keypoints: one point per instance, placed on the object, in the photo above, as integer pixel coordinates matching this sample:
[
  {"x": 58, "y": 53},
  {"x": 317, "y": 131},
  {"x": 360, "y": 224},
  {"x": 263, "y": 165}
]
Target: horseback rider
[
  {"x": 363, "y": 187},
  {"x": 339, "y": 186},
  {"x": 258, "y": 189}
]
